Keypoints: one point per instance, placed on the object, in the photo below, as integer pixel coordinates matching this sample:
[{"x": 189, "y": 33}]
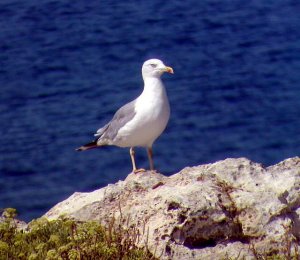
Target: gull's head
[{"x": 155, "y": 68}]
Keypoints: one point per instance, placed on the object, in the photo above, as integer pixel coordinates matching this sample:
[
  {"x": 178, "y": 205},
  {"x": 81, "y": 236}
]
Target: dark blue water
[{"x": 66, "y": 66}]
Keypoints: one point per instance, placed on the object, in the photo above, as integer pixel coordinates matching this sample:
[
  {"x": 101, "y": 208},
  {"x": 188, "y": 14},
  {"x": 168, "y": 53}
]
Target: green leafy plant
[{"x": 67, "y": 239}]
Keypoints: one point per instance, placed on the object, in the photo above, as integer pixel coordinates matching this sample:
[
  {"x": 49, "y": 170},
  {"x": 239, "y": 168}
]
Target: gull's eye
[{"x": 153, "y": 65}]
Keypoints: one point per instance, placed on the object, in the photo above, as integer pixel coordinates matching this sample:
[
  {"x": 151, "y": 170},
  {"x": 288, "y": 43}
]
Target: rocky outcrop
[{"x": 229, "y": 209}]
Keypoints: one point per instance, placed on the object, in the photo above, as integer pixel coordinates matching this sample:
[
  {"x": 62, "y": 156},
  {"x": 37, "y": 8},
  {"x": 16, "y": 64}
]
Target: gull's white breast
[{"x": 152, "y": 115}]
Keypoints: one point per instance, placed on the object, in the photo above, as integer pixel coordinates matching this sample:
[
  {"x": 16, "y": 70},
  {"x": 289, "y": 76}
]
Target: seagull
[{"x": 140, "y": 122}]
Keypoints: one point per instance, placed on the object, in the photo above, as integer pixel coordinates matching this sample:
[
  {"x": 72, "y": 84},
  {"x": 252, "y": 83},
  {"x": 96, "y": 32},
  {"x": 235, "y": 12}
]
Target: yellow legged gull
[{"x": 140, "y": 122}]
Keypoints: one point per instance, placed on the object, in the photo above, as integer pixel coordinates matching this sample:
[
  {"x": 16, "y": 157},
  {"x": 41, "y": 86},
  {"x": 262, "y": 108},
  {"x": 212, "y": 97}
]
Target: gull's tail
[{"x": 88, "y": 146}]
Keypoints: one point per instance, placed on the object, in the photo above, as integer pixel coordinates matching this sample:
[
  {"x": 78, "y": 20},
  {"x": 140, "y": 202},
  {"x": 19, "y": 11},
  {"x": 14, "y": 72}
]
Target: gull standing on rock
[{"x": 140, "y": 122}]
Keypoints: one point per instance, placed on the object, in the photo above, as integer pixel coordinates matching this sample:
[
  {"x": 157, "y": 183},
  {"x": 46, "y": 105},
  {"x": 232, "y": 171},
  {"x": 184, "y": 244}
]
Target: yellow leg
[
  {"x": 134, "y": 169},
  {"x": 150, "y": 157}
]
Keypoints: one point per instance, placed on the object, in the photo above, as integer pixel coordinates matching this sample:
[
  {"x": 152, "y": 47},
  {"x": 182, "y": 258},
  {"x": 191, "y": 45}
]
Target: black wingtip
[{"x": 87, "y": 146}]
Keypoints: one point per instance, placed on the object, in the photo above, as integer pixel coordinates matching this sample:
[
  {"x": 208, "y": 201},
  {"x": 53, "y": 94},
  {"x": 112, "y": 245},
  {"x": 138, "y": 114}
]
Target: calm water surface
[{"x": 66, "y": 66}]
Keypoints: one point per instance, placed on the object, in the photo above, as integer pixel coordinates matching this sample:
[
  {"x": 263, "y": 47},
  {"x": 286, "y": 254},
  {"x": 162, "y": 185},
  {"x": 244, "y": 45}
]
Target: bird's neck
[{"x": 153, "y": 85}]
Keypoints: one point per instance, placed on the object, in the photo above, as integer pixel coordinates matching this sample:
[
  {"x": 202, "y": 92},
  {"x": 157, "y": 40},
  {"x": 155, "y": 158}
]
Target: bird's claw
[{"x": 139, "y": 170}]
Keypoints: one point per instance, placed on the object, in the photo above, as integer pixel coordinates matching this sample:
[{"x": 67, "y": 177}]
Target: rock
[{"x": 229, "y": 209}]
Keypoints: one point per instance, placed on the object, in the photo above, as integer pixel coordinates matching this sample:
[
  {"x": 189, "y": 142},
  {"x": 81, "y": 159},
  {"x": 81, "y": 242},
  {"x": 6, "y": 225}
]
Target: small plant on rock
[{"x": 65, "y": 239}]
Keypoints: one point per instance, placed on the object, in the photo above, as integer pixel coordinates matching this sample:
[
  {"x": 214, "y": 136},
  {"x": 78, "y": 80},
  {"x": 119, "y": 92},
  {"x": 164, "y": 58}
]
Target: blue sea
[{"x": 66, "y": 66}]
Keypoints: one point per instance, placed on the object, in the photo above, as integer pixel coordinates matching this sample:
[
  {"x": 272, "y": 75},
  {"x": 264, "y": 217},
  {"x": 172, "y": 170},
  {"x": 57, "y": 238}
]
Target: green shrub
[{"x": 66, "y": 239}]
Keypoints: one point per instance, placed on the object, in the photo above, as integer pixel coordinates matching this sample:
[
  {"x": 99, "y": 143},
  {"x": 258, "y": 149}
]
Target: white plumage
[{"x": 140, "y": 122}]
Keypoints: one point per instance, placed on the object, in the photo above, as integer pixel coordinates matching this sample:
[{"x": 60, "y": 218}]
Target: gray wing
[{"x": 121, "y": 117}]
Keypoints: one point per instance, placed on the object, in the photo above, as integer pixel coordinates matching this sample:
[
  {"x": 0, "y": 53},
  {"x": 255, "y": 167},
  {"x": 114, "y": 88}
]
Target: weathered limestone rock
[{"x": 232, "y": 208}]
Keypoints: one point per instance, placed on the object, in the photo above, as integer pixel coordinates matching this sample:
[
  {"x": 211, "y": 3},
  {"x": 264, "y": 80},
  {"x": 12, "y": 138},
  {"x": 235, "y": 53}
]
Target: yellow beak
[{"x": 169, "y": 70}]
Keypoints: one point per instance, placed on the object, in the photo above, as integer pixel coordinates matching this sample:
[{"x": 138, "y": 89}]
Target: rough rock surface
[{"x": 213, "y": 211}]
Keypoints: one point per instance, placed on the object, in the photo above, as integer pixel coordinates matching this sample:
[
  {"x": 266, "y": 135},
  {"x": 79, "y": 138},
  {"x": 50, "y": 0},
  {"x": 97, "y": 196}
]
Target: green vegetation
[{"x": 67, "y": 239}]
